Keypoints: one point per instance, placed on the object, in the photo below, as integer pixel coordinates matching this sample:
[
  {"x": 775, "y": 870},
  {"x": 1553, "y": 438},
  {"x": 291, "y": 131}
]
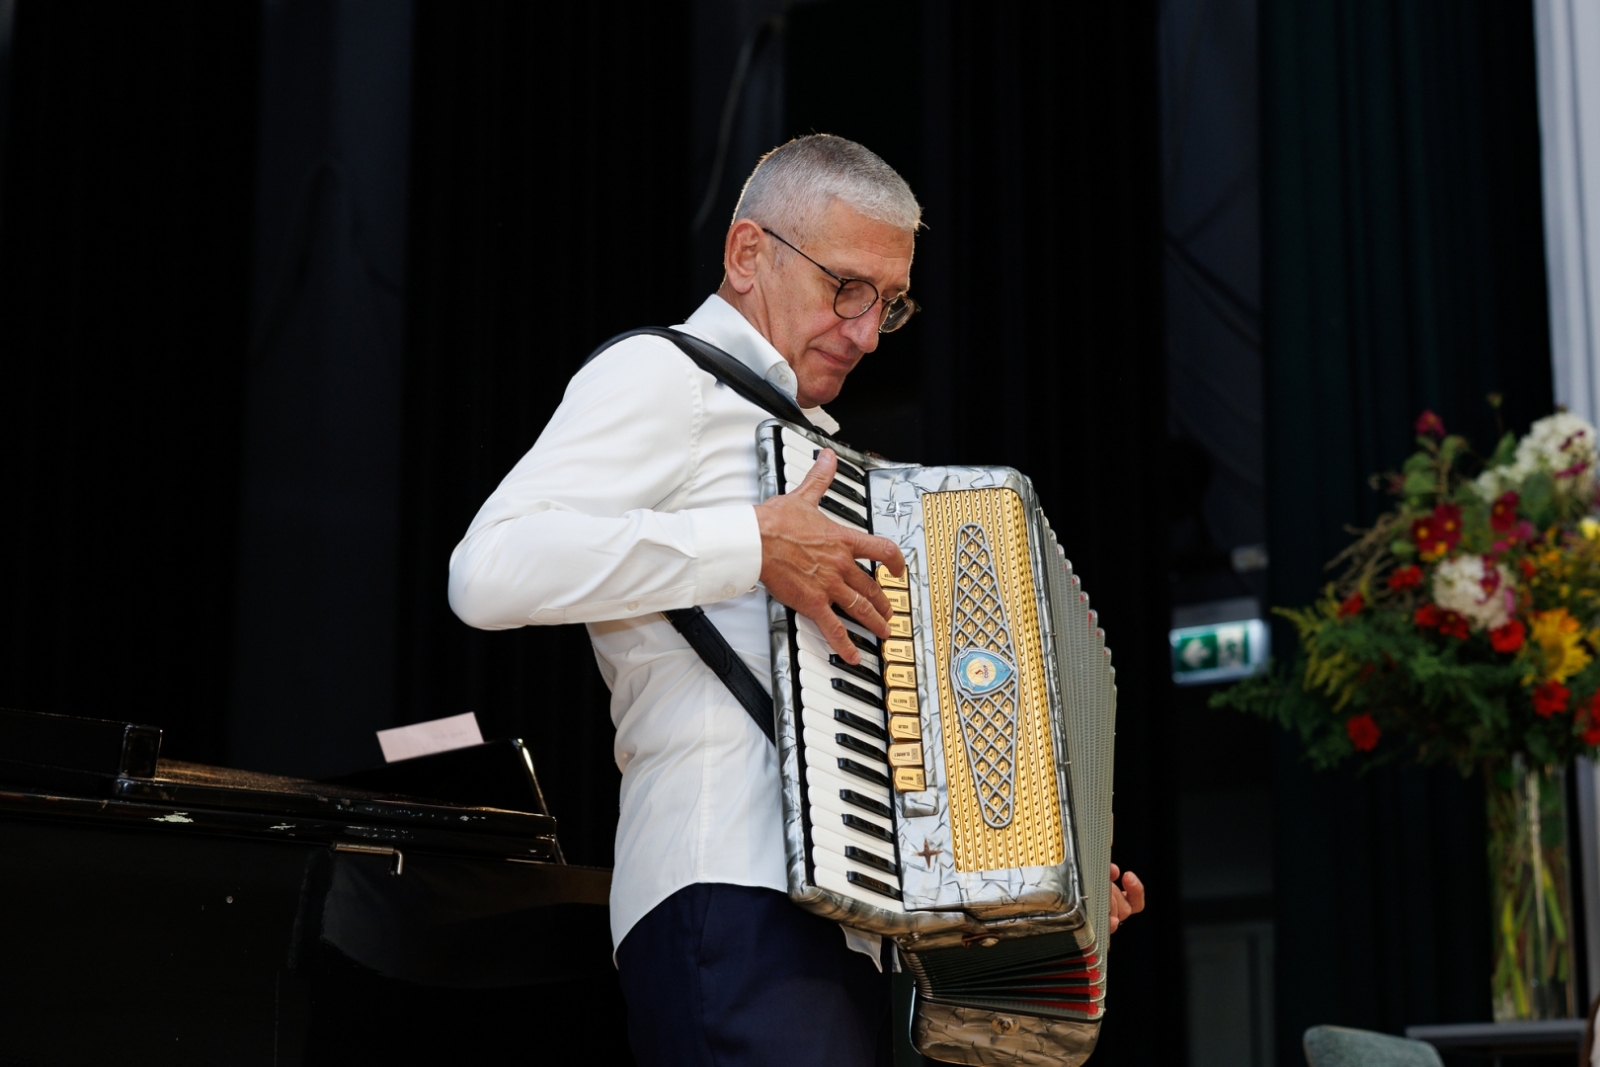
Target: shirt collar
[{"x": 720, "y": 323}]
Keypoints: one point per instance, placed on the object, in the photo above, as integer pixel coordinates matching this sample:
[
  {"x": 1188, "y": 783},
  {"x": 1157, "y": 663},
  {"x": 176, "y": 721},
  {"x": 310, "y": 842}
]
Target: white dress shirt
[{"x": 639, "y": 497}]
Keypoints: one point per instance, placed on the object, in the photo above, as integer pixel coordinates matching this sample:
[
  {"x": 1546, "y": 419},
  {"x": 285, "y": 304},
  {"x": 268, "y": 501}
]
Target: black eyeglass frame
[{"x": 890, "y": 307}]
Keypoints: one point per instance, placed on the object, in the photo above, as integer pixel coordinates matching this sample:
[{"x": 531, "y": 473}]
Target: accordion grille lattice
[{"x": 994, "y": 706}]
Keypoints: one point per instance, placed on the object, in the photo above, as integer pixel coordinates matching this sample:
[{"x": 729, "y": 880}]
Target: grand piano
[{"x": 155, "y": 911}]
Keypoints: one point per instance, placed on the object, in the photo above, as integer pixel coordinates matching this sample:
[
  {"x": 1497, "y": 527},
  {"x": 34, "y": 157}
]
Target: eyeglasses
[{"x": 856, "y": 296}]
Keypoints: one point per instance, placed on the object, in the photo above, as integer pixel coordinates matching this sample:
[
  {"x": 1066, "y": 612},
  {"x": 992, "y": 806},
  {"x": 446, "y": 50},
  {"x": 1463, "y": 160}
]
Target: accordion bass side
[{"x": 953, "y": 790}]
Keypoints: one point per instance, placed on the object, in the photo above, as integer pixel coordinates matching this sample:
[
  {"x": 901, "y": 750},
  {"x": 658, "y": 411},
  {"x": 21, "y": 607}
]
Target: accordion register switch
[{"x": 900, "y": 679}]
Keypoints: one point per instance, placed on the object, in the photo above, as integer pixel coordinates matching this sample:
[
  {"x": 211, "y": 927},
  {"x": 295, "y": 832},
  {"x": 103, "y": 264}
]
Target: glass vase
[{"x": 1530, "y": 892}]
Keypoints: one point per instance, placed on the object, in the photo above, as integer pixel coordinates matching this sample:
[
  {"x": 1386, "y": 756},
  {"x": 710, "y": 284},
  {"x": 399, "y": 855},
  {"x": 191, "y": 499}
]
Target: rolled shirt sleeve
[{"x": 585, "y": 528}]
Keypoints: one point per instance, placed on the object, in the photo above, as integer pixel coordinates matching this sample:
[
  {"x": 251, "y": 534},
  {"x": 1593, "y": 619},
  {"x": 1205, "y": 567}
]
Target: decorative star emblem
[
  {"x": 928, "y": 853},
  {"x": 892, "y": 508}
]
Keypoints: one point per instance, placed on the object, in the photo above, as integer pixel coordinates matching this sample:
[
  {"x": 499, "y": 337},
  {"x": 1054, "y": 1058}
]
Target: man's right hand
[{"x": 808, "y": 561}]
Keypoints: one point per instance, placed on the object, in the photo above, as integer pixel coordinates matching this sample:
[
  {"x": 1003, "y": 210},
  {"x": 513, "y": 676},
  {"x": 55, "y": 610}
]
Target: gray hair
[{"x": 791, "y": 187}]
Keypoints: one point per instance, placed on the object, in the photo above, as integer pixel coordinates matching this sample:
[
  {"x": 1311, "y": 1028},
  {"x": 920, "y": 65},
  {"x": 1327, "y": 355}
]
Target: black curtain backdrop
[
  {"x": 550, "y": 208},
  {"x": 124, "y": 271},
  {"x": 1404, "y": 269},
  {"x": 549, "y": 211},
  {"x": 1041, "y": 349}
]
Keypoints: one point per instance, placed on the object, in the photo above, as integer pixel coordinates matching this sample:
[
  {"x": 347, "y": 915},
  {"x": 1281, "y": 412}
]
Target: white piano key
[
  {"x": 830, "y": 834},
  {"x": 835, "y": 882},
  {"x": 824, "y": 723},
  {"x": 823, "y": 776},
  {"x": 802, "y": 622},
  {"x": 844, "y": 864},
  {"x": 826, "y": 718},
  {"x": 820, "y": 666},
  {"x": 823, "y": 800},
  {"x": 801, "y": 456},
  {"x": 796, "y": 465},
  {"x": 815, "y": 692},
  {"x": 822, "y": 744},
  {"x": 811, "y": 640}
]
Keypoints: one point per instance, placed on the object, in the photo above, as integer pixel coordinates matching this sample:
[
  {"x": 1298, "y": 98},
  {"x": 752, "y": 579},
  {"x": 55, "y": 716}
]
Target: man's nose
[{"x": 863, "y": 329}]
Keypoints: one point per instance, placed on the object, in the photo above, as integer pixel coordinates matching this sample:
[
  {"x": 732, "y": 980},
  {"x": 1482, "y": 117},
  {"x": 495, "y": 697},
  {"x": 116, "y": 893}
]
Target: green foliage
[{"x": 1383, "y": 672}]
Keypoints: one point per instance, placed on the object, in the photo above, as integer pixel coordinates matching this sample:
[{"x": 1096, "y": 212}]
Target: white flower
[
  {"x": 1562, "y": 445},
  {"x": 1484, "y": 595}
]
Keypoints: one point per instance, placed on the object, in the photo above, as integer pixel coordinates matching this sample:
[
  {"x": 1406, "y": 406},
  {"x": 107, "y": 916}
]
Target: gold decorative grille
[{"x": 977, "y": 542}]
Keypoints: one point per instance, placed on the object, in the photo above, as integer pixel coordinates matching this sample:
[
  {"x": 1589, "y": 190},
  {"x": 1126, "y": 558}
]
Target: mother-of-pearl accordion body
[{"x": 953, "y": 791}]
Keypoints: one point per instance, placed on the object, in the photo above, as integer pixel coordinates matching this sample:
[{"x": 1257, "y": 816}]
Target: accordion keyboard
[{"x": 845, "y": 739}]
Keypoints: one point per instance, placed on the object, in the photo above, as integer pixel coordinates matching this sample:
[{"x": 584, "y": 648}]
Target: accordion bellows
[{"x": 953, "y": 791}]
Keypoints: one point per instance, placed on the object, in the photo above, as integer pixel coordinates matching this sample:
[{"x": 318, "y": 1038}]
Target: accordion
[{"x": 953, "y": 790}]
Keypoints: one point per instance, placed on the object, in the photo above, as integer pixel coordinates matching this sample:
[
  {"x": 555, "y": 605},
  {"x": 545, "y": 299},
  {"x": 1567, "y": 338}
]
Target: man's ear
[{"x": 741, "y": 254}]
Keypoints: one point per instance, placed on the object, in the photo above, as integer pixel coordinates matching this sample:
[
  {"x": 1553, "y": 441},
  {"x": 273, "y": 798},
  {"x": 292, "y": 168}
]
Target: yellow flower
[
  {"x": 1558, "y": 639},
  {"x": 1590, "y": 528}
]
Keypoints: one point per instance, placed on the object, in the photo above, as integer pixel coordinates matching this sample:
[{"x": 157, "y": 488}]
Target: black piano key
[
  {"x": 868, "y": 859},
  {"x": 850, "y": 796},
  {"x": 865, "y": 644},
  {"x": 849, "y": 470},
  {"x": 866, "y": 674},
  {"x": 844, "y": 489},
  {"x": 851, "y": 743},
  {"x": 850, "y": 620},
  {"x": 850, "y": 766},
  {"x": 842, "y": 686},
  {"x": 871, "y": 829},
  {"x": 856, "y": 722},
  {"x": 843, "y": 511},
  {"x": 881, "y": 888}
]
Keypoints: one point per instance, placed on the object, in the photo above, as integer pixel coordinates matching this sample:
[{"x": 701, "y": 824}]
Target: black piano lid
[
  {"x": 495, "y": 774},
  {"x": 62, "y": 765}
]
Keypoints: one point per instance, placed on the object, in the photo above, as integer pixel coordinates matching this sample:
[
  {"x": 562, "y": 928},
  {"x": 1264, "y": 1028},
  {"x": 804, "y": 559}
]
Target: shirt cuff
[{"x": 727, "y": 546}]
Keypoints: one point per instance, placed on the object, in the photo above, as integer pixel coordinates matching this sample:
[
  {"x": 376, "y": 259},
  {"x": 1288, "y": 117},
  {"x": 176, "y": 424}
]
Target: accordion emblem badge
[{"x": 953, "y": 790}]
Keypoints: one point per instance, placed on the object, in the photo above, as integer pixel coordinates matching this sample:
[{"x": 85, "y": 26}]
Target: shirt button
[
  {"x": 728, "y": 590},
  {"x": 633, "y": 605}
]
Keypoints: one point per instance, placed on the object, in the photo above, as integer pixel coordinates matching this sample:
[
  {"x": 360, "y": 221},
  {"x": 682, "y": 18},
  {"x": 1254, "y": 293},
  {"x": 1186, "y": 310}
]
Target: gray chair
[{"x": 1339, "y": 1046}]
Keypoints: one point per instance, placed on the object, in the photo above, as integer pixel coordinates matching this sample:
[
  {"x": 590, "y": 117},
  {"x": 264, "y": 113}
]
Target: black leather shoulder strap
[
  {"x": 725, "y": 369},
  {"x": 707, "y": 640},
  {"x": 692, "y": 623}
]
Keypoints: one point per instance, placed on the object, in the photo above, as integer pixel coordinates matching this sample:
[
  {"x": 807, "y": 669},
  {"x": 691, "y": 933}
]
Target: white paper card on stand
[{"x": 426, "y": 738}]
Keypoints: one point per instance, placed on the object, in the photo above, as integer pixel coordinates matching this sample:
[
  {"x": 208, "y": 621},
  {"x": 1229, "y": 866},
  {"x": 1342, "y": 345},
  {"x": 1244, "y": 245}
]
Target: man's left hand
[{"x": 1126, "y": 899}]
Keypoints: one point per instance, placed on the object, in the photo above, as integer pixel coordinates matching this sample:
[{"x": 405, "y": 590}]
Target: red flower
[
  {"x": 1430, "y": 425},
  {"x": 1453, "y": 624},
  {"x": 1591, "y": 721},
  {"x": 1549, "y": 698},
  {"x": 1437, "y": 533},
  {"x": 1503, "y": 512},
  {"x": 1508, "y": 638},
  {"x": 1352, "y": 605},
  {"x": 1363, "y": 731},
  {"x": 1407, "y": 577},
  {"x": 1527, "y": 568},
  {"x": 1428, "y": 616}
]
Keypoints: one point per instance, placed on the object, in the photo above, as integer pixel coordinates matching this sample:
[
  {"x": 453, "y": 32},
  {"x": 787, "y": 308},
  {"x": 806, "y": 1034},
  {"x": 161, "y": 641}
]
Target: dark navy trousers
[{"x": 734, "y": 976}]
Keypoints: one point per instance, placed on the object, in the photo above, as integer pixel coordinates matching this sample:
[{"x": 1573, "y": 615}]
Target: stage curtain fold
[
  {"x": 1042, "y": 349},
  {"x": 548, "y": 212},
  {"x": 1403, "y": 269},
  {"x": 124, "y": 283}
]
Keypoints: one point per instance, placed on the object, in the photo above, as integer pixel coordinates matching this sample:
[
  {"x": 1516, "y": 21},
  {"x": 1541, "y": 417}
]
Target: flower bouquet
[{"x": 1464, "y": 628}]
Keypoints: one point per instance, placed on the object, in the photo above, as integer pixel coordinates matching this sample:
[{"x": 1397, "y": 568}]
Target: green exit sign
[{"x": 1219, "y": 651}]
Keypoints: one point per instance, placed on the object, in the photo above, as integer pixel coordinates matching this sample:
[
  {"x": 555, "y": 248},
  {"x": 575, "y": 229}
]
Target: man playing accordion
[{"x": 641, "y": 496}]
